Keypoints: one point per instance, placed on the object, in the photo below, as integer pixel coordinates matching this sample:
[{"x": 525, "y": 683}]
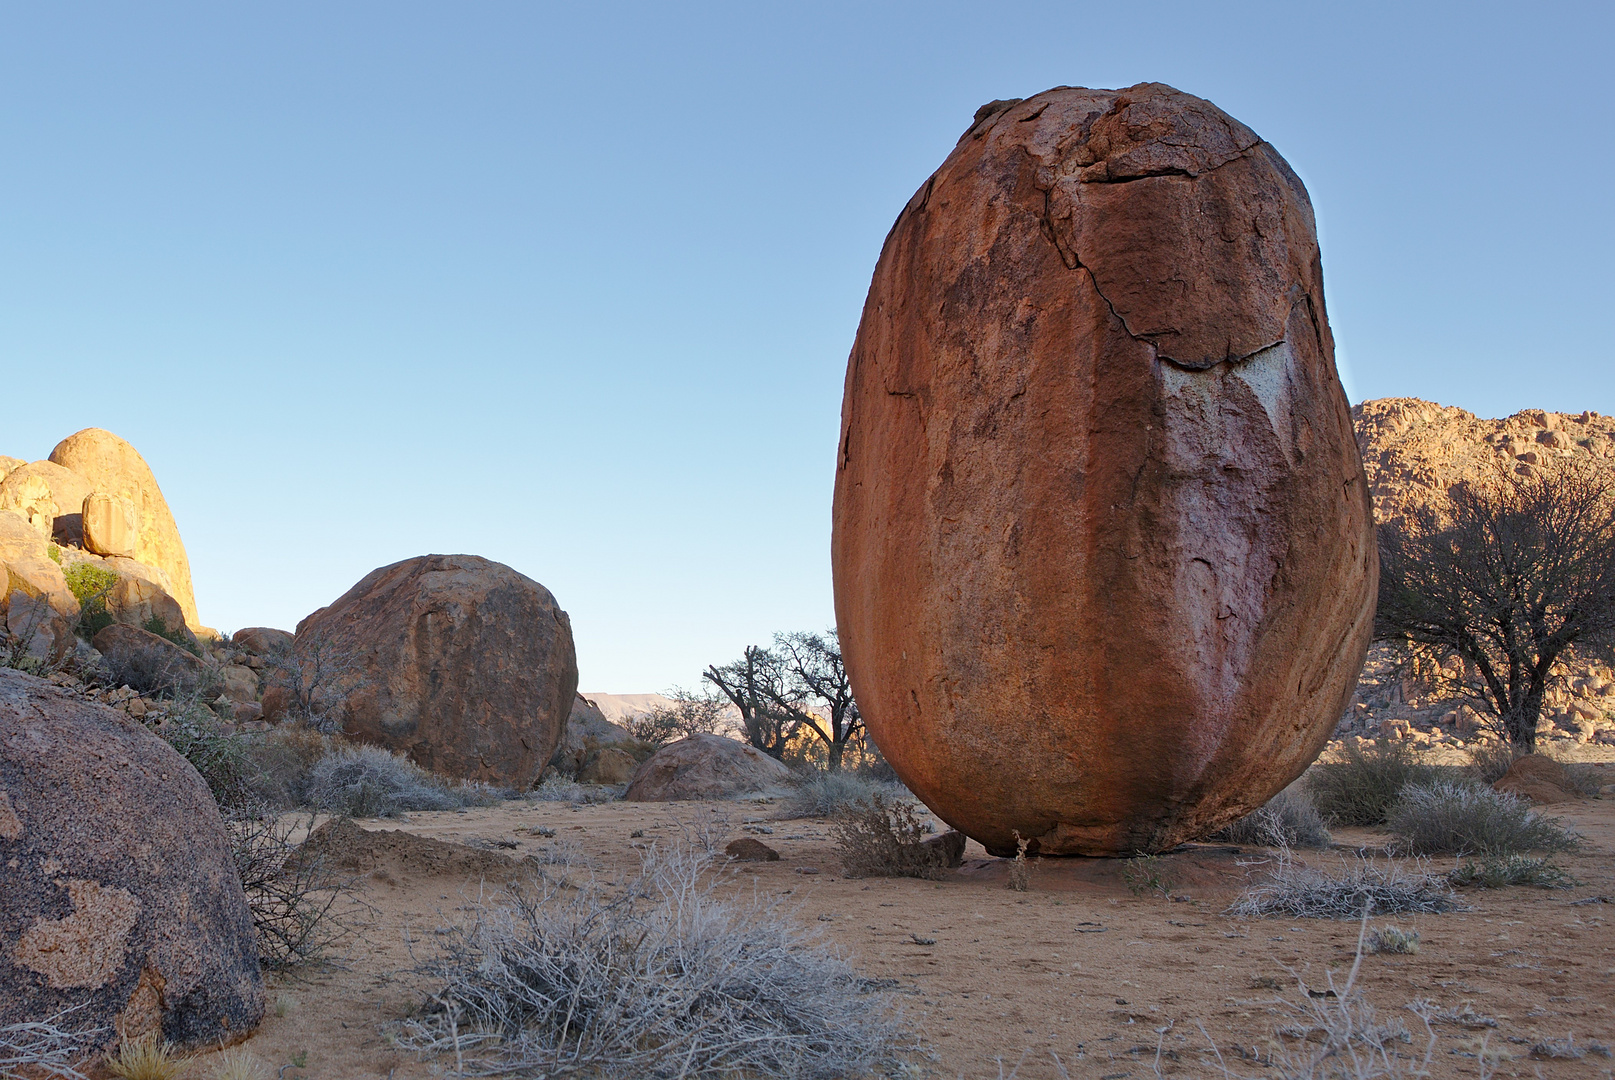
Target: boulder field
[
  {"x": 89, "y": 524},
  {"x": 1102, "y": 548}
]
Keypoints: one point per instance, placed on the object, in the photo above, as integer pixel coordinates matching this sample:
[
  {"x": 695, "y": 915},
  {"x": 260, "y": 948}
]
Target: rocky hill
[{"x": 1413, "y": 452}]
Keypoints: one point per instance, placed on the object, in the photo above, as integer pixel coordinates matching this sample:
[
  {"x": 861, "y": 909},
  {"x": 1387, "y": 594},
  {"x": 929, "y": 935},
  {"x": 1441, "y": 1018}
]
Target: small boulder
[
  {"x": 262, "y": 640},
  {"x": 149, "y": 663},
  {"x": 111, "y": 525},
  {"x": 705, "y": 767},
  {"x": 949, "y": 848},
  {"x": 587, "y": 732},
  {"x": 608, "y": 765},
  {"x": 1538, "y": 778},
  {"x": 120, "y": 894},
  {"x": 39, "y": 631},
  {"x": 239, "y": 683},
  {"x": 748, "y": 850}
]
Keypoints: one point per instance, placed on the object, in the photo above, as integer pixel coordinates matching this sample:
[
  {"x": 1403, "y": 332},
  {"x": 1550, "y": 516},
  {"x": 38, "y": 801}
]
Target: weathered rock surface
[
  {"x": 49, "y": 497},
  {"x": 8, "y": 464},
  {"x": 149, "y": 663},
  {"x": 119, "y": 893},
  {"x": 28, "y": 567},
  {"x": 113, "y": 467},
  {"x": 459, "y": 662},
  {"x": 111, "y": 525},
  {"x": 1103, "y": 555},
  {"x": 705, "y": 767}
]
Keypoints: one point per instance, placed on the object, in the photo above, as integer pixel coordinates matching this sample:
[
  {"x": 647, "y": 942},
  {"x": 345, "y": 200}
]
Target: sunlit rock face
[{"x": 1103, "y": 557}]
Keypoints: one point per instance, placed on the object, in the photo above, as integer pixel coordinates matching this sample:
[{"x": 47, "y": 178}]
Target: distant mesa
[{"x": 1103, "y": 554}]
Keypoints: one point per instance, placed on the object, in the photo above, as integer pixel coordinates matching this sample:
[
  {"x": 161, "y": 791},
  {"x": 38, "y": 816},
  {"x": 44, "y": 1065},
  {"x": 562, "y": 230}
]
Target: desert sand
[{"x": 1085, "y": 965}]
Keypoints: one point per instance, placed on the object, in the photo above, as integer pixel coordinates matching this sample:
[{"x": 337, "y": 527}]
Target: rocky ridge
[{"x": 1414, "y": 452}]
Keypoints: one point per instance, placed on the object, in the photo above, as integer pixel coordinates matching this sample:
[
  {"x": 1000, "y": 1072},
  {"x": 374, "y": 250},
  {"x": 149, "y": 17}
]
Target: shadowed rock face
[
  {"x": 459, "y": 662},
  {"x": 119, "y": 888},
  {"x": 1103, "y": 557}
]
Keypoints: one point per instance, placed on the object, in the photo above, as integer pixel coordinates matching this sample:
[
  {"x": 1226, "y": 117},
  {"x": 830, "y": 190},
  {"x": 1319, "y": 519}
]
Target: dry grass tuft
[
  {"x": 664, "y": 979},
  {"x": 239, "y": 1064},
  {"x": 886, "y": 839},
  {"x": 149, "y": 1057},
  {"x": 1392, "y": 939},
  {"x": 1020, "y": 871}
]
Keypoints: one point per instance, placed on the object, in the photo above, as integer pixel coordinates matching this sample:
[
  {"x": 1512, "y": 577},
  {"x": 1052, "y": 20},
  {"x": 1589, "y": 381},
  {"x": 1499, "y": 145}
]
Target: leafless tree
[
  {"x": 690, "y": 714},
  {"x": 818, "y": 694},
  {"x": 755, "y": 684},
  {"x": 317, "y": 676},
  {"x": 1506, "y": 574}
]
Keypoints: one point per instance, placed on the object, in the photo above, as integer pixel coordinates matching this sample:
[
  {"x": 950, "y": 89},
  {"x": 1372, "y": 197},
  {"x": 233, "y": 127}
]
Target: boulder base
[
  {"x": 120, "y": 892},
  {"x": 1103, "y": 558}
]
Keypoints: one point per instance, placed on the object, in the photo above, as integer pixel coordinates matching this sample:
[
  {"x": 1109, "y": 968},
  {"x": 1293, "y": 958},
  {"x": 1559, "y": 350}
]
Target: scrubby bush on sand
[
  {"x": 369, "y": 781},
  {"x": 1498, "y": 871},
  {"x": 1288, "y": 820},
  {"x": 665, "y": 979},
  {"x": 1360, "y": 787},
  {"x": 1360, "y": 886},
  {"x": 1490, "y": 761},
  {"x": 830, "y": 794},
  {"x": 1445, "y": 818},
  {"x": 885, "y": 838}
]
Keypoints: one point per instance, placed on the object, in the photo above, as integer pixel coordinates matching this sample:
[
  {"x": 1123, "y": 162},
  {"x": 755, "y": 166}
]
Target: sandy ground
[{"x": 1081, "y": 965}]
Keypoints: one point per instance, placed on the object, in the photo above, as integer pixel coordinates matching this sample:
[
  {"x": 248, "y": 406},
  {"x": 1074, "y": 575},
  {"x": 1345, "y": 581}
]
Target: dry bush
[
  {"x": 294, "y": 901},
  {"x": 1490, "y": 762},
  {"x": 1288, "y": 820},
  {"x": 1362, "y": 887},
  {"x": 665, "y": 979},
  {"x": 370, "y": 781},
  {"x": 1361, "y": 787},
  {"x": 1447, "y": 818},
  {"x": 1497, "y": 871},
  {"x": 1565, "y": 1049},
  {"x": 886, "y": 839},
  {"x": 1020, "y": 871},
  {"x": 47, "y": 1047},
  {"x": 831, "y": 794},
  {"x": 558, "y": 788}
]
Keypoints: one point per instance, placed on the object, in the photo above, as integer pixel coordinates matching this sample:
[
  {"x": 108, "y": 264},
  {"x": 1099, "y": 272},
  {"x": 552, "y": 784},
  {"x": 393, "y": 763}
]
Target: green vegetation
[
  {"x": 1496, "y": 871},
  {"x": 90, "y": 586},
  {"x": 156, "y": 625},
  {"x": 1445, "y": 818},
  {"x": 1362, "y": 786}
]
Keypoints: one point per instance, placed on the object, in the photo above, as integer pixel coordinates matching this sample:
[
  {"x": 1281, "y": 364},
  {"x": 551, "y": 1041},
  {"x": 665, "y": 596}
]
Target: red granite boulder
[{"x": 1104, "y": 560}]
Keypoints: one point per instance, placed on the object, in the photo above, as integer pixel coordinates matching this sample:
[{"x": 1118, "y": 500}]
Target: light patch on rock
[
  {"x": 86, "y": 947},
  {"x": 10, "y": 823}
]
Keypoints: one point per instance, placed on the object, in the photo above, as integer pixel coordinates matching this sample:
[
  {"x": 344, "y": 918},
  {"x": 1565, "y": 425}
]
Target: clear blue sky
[{"x": 572, "y": 286}]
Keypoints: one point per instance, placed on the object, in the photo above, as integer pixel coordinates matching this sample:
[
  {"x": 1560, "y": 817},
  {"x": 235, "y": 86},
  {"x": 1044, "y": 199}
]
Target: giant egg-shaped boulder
[
  {"x": 463, "y": 664},
  {"x": 1104, "y": 561}
]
